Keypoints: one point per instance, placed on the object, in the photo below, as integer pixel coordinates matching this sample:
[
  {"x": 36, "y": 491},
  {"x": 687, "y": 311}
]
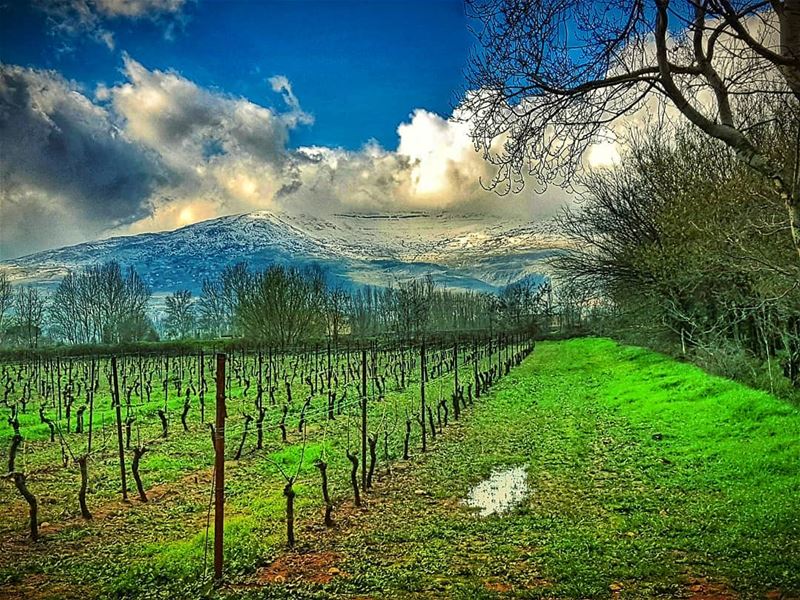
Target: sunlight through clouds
[{"x": 186, "y": 153}]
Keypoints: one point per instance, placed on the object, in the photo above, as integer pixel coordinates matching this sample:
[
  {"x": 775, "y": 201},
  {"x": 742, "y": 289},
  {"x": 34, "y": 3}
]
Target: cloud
[
  {"x": 434, "y": 167},
  {"x": 234, "y": 156},
  {"x": 154, "y": 152},
  {"x": 137, "y": 8},
  {"x": 63, "y": 157},
  {"x": 445, "y": 169},
  {"x": 280, "y": 84},
  {"x": 223, "y": 151},
  {"x": 157, "y": 151},
  {"x": 188, "y": 125},
  {"x": 73, "y": 18}
]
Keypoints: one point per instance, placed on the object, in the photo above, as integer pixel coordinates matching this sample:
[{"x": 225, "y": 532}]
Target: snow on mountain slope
[{"x": 465, "y": 252}]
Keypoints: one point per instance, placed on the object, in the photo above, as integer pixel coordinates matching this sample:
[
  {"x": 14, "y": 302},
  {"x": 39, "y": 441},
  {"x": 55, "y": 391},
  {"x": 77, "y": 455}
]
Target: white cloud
[
  {"x": 280, "y": 84},
  {"x": 445, "y": 169},
  {"x": 72, "y": 18},
  {"x": 226, "y": 152},
  {"x": 137, "y": 8},
  {"x": 187, "y": 125},
  {"x": 157, "y": 151}
]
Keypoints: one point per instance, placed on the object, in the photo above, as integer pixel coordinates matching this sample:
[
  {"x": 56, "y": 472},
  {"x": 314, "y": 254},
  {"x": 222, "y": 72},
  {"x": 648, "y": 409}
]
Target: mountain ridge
[{"x": 459, "y": 251}]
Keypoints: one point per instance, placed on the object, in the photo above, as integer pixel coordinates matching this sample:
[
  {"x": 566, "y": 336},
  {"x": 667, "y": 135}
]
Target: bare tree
[
  {"x": 180, "y": 314},
  {"x": 521, "y": 302},
  {"x": 67, "y": 314},
  {"x": 553, "y": 76},
  {"x": 282, "y": 305},
  {"x": 29, "y": 314},
  {"x": 412, "y": 306},
  {"x": 6, "y": 297},
  {"x": 336, "y": 304},
  {"x": 214, "y": 318},
  {"x": 218, "y": 303},
  {"x": 677, "y": 245},
  {"x": 101, "y": 304}
]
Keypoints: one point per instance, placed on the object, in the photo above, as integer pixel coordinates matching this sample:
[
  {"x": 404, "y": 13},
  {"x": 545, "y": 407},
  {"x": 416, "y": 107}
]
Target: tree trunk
[
  {"x": 373, "y": 457},
  {"x": 323, "y": 471},
  {"x": 354, "y": 476},
  {"x": 247, "y": 420},
  {"x": 164, "y": 427},
  {"x": 84, "y": 484},
  {"x": 260, "y": 428},
  {"x": 21, "y": 482},
  {"x": 137, "y": 455},
  {"x": 12, "y": 452},
  {"x": 793, "y": 206},
  {"x": 407, "y": 440},
  {"x": 789, "y": 20},
  {"x": 290, "y": 494},
  {"x": 186, "y": 406}
]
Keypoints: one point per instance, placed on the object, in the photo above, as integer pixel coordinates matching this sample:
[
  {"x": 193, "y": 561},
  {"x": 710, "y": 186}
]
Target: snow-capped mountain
[{"x": 468, "y": 252}]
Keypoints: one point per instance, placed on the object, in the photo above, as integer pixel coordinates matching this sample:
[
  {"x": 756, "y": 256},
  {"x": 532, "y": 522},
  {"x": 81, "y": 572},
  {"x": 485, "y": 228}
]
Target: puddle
[{"x": 502, "y": 491}]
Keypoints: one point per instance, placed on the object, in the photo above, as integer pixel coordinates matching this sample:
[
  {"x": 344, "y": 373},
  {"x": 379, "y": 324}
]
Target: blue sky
[
  {"x": 358, "y": 67},
  {"x": 129, "y": 116}
]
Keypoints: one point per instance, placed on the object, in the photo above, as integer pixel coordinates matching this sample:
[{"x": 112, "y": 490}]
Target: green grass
[{"x": 646, "y": 475}]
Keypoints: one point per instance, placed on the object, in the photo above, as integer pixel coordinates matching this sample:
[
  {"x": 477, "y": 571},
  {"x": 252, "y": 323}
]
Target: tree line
[
  {"x": 280, "y": 306},
  {"x": 692, "y": 241},
  {"x": 684, "y": 247},
  {"x": 102, "y": 304}
]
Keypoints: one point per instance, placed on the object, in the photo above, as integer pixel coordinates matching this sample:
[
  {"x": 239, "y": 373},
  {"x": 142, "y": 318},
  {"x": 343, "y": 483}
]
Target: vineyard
[
  {"x": 81, "y": 432},
  {"x": 632, "y": 463}
]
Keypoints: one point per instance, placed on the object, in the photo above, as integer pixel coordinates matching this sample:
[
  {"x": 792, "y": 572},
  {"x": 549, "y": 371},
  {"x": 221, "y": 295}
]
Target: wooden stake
[
  {"x": 219, "y": 468},
  {"x": 117, "y": 405},
  {"x": 364, "y": 418},
  {"x": 422, "y": 369}
]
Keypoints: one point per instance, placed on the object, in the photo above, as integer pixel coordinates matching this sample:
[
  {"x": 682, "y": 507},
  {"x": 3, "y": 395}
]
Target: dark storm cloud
[{"x": 62, "y": 151}]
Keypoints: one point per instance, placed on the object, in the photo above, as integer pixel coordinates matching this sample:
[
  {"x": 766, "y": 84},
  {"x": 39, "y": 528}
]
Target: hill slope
[{"x": 459, "y": 251}]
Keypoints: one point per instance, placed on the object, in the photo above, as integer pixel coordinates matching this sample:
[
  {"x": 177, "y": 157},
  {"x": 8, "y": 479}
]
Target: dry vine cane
[
  {"x": 322, "y": 465},
  {"x": 289, "y": 493},
  {"x": 20, "y": 478}
]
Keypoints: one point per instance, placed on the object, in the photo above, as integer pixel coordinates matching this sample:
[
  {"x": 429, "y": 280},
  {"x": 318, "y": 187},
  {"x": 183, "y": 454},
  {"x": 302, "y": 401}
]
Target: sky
[{"x": 127, "y": 116}]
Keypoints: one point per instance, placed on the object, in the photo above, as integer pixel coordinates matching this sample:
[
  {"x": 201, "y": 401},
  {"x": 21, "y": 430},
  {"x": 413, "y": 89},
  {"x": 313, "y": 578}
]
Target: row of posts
[{"x": 219, "y": 437}]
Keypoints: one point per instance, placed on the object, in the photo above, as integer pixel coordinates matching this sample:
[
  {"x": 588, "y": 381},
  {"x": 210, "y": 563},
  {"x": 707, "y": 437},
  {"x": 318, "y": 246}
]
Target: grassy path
[{"x": 649, "y": 479}]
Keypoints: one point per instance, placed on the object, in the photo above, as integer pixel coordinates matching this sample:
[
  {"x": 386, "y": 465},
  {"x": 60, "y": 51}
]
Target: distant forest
[{"x": 278, "y": 306}]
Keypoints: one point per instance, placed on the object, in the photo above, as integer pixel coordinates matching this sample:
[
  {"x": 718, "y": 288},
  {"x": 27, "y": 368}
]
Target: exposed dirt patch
[
  {"x": 701, "y": 588},
  {"x": 101, "y": 512},
  {"x": 176, "y": 488},
  {"x": 497, "y": 586},
  {"x": 309, "y": 567},
  {"x": 779, "y": 595},
  {"x": 110, "y": 525},
  {"x": 38, "y": 587}
]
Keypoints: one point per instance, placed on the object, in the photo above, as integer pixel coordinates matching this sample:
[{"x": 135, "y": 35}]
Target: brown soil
[
  {"x": 308, "y": 567},
  {"x": 701, "y": 588}
]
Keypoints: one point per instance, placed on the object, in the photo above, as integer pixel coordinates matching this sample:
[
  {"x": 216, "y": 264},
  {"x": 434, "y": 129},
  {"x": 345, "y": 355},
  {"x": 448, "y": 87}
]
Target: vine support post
[
  {"x": 330, "y": 394},
  {"x": 422, "y": 375},
  {"x": 456, "y": 399},
  {"x": 219, "y": 467},
  {"x": 363, "y": 418},
  {"x": 117, "y": 409}
]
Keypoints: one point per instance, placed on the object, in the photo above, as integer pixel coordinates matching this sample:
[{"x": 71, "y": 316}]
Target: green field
[{"x": 648, "y": 479}]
